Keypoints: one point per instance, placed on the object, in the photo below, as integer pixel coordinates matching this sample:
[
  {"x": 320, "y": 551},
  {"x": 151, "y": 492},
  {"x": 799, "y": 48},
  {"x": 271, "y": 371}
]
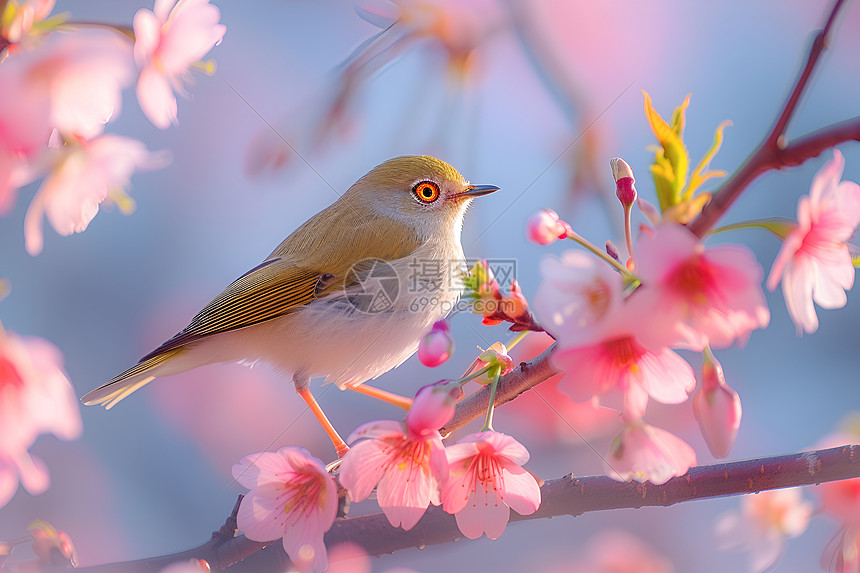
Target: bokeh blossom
[
  {"x": 168, "y": 41},
  {"x": 292, "y": 496},
  {"x": 35, "y": 398},
  {"x": 486, "y": 481},
  {"x": 81, "y": 177},
  {"x": 814, "y": 264},
  {"x": 762, "y": 525},
  {"x": 647, "y": 453}
]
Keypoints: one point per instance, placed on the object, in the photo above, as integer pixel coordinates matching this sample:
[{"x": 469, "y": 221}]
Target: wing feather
[{"x": 272, "y": 289}]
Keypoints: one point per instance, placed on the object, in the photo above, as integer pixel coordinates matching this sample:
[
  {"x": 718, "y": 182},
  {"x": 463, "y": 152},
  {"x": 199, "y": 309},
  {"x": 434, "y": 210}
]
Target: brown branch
[
  {"x": 772, "y": 152},
  {"x": 526, "y": 376},
  {"x": 566, "y": 496}
]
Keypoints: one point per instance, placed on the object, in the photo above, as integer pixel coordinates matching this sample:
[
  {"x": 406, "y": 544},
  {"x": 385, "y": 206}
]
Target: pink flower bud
[
  {"x": 436, "y": 346},
  {"x": 544, "y": 227},
  {"x": 717, "y": 408},
  {"x": 625, "y": 190},
  {"x": 433, "y": 407},
  {"x": 496, "y": 355}
]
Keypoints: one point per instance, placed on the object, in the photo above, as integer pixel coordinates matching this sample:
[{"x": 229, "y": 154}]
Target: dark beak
[{"x": 478, "y": 190}]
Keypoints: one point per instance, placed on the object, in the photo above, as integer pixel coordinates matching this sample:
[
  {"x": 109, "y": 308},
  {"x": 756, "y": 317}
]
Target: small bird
[{"x": 347, "y": 295}]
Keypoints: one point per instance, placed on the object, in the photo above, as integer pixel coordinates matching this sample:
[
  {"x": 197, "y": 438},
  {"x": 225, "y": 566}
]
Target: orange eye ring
[{"x": 426, "y": 191}]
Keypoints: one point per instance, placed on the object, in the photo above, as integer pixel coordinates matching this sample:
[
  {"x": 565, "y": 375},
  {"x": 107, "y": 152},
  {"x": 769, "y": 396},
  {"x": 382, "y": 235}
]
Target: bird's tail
[{"x": 131, "y": 380}]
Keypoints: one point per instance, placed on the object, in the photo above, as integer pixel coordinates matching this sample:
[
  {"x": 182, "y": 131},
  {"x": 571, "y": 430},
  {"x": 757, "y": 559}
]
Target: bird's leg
[
  {"x": 303, "y": 390},
  {"x": 384, "y": 395}
]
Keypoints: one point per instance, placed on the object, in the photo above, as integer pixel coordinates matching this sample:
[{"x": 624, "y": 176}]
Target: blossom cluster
[
  {"x": 618, "y": 324},
  {"x": 478, "y": 480},
  {"x": 62, "y": 83}
]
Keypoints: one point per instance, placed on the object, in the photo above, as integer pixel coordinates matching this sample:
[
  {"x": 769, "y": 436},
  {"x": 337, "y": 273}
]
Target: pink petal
[
  {"x": 362, "y": 467},
  {"x": 33, "y": 474},
  {"x": 261, "y": 515},
  {"x": 8, "y": 480},
  {"x": 404, "y": 495},
  {"x": 483, "y": 513},
  {"x": 304, "y": 544},
  {"x": 193, "y": 31},
  {"x": 163, "y": 8},
  {"x": 147, "y": 36},
  {"x": 34, "y": 238},
  {"x": 156, "y": 98},
  {"x": 666, "y": 377},
  {"x": 521, "y": 493}
]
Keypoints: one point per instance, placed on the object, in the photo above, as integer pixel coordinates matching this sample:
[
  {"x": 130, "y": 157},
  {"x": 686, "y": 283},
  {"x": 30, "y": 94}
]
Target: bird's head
[{"x": 427, "y": 194}]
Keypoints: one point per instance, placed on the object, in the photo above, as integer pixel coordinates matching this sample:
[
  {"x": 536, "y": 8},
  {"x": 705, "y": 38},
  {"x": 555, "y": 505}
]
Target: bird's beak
[{"x": 477, "y": 191}]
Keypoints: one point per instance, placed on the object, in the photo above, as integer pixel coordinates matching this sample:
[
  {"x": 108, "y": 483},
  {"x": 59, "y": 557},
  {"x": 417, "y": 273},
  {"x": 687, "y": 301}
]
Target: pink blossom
[
  {"x": 717, "y": 408},
  {"x": 616, "y": 551},
  {"x": 35, "y": 398},
  {"x": 486, "y": 481},
  {"x": 647, "y": 453},
  {"x": 433, "y": 407},
  {"x": 544, "y": 227},
  {"x": 409, "y": 468},
  {"x": 167, "y": 42},
  {"x": 714, "y": 294},
  {"x": 842, "y": 554},
  {"x": 23, "y": 16},
  {"x": 82, "y": 176},
  {"x": 577, "y": 293},
  {"x": 292, "y": 496},
  {"x": 436, "y": 346},
  {"x": 609, "y": 346},
  {"x": 762, "y": 525},
  {"x": 814, "y": 263}
]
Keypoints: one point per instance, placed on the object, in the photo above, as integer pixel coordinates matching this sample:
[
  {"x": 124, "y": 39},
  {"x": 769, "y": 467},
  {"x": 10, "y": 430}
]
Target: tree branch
[
  {"x": 566, "y": 496},
  {"x": 774, "y": 152}
]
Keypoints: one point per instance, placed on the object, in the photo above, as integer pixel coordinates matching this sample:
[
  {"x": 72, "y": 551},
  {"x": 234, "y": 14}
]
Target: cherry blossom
[
  {"x": 16, "y": 24},
  {"x": 82, "y": 176},
  {"x": 168, "y": 42},
  {"x": 292, "y": 496},
  {"x": 616, "y": 551},
  {"x": 406, "y": 459},
  {"x": 545, "y": 227},
  {"x": 717, "y": 408},
  {"x": 486, "y": 481},
  {"x": 436, "y": 346},
  {"x": 714, "y": 293},
  {"x": 647, "y": 453},
  {"x": 576, "y": 293},
  {"x": 814, "y": 264},
  {"x": 35, "y": 398},
  {"x": 762, "y": 525}
]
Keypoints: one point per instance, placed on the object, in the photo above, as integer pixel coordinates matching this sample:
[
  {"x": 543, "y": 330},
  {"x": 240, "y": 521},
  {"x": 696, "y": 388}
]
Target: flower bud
[
  {"x": 717, "y": 408},
  {"x": 544, "y": 227},
  {"x": 436, "y": 346},
  {"x": 433, "y": 407},
  {"x": 496, "y": 355},
  {"x": 612, "y": 251},
  {"x": 624, "y": 189}
]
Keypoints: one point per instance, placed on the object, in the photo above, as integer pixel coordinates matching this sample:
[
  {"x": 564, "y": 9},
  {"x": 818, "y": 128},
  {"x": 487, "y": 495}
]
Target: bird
[{"x": 347, "y": 295}]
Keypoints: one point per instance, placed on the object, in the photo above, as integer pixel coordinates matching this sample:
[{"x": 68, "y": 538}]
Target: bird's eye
[{"x": 426, "y": 191}]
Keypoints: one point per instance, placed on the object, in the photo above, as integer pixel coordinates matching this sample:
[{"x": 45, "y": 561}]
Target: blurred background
[{"x": 534, "y": 97}]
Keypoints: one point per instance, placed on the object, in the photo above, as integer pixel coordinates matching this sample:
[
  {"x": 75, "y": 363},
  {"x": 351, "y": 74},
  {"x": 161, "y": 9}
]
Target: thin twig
[{"x": 772, "y": 152}]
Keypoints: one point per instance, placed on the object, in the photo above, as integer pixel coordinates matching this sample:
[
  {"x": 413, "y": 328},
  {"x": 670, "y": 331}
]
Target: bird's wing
[{"x": 271, "y": 289}]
